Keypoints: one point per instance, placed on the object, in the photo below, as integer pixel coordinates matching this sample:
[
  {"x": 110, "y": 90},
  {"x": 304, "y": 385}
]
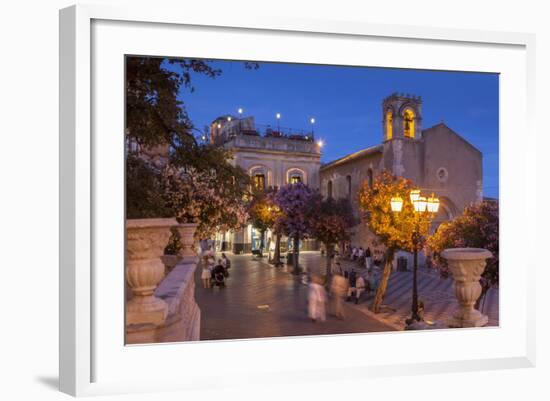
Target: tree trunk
[
  {"x": 277, "y": 253},
  {"x": 329, "y": 250},
  {"x": 262, "y": 240},
  {"x": 296, "y": 255},
  {"x": 381, "y": 291}
]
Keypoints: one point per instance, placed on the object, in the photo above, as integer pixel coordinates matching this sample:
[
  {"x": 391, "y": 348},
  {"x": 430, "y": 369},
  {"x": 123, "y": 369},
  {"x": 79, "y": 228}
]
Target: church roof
[
  {"x": 443, "y": 126},
  {"x": 353, "y": 156}
]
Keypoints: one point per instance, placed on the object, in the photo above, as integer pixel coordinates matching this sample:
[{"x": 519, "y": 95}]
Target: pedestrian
[
  {"x": 206, "y": 273},
  {"x": 337, "y": 268},
  {"x": 338, "y": 290},
  {"x": 226, "y": 263},
  {"x": 352, "y": 280},
  {"x": 317, "y": 298},
  {"x": 368, "y": 258},
  {"x": 360, "y": 287},
  {"x": 353, "y": 253}
]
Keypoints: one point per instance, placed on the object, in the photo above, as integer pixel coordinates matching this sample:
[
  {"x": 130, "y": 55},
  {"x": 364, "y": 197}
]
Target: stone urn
[
  {"x": 145, "y": 242},
  {"x": 466, "y": 266},
  {"x": 187, "y": 233}
]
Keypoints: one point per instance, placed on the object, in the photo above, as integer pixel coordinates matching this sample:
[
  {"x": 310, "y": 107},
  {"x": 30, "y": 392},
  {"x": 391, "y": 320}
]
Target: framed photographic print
[{"x": 268, "y": 188}]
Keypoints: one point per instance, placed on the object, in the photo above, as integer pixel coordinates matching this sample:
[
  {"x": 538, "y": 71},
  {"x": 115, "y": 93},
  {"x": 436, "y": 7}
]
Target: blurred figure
[
  {"x": 218, "y": 275},
  {"x": 225, "y": 261},
  {"x": 317, "y": 299},
  {"x": 338, "y": 290},
  {"x": 359, "y": 288},
  {"x": 206, "y": 271},
  {"x": 368, "y": 258},
  {"x": 352, "y": 280},
  {"x": 337, "y": 268}
]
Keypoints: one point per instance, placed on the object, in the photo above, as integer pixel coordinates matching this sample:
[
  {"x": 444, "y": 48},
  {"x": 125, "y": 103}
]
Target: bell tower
[{"x": 401, "y": 117}]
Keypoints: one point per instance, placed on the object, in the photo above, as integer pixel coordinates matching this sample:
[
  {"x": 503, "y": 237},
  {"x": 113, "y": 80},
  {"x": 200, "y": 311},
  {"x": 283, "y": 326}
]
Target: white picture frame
[{"x": 83, "y": 352}]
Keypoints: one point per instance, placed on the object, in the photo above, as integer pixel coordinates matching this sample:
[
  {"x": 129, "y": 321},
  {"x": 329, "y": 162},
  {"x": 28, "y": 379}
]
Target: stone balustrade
[{"x": 182, "y": 321}]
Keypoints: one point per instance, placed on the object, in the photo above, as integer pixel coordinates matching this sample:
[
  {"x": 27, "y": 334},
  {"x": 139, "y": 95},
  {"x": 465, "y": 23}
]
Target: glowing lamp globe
[
  {"x": 415, "y": 194},
  {"x": 433, "y": 204},
  {"x": 420, "y": 204},
  {"x": 396, "y": 204}
]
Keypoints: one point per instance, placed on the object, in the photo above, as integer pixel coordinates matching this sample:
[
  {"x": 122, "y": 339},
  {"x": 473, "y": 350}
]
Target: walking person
[
  {"x": 352, "y": 280},
  {"x": 337, "y": 268},
  {"x": 226, "y": 263},
  {"x": 317, "y": 299},
  {"x": 206, "y": 273},
  {"x": 338, "y": 290},
  {"x": 368, "y": 258},
  {"x": 359, "y": 288}
]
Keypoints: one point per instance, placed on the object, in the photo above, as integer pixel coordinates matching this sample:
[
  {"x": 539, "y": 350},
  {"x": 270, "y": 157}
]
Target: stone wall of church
[
  {"x": 358, "y": 173},
  {"x": 452, "y": 168}
]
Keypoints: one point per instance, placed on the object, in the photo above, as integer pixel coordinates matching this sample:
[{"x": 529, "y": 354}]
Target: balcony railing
[{"x": 270, "y": 131}]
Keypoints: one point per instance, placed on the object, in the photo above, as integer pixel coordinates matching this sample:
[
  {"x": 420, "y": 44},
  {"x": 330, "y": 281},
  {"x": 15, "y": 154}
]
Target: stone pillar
[
  {"x": 467, "y": 265},
  {"x": 146, "y": 239},
  {"x": 187, "y": 233}
]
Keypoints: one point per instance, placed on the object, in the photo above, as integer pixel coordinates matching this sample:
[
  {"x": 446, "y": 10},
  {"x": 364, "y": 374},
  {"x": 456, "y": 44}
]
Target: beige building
[
  {"x": 273, "y": 159},
  {"x": 437, "y": 159}
]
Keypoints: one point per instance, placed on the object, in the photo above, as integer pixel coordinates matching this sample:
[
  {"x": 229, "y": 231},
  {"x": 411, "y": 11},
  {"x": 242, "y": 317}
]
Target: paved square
[{"x": 260, "y": 300}]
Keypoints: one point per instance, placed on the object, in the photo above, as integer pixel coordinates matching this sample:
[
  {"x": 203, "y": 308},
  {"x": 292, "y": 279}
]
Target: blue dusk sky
[{"x": 346, "y": 103}]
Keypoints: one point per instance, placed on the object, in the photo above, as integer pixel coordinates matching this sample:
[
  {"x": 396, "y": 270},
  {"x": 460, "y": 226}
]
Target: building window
[
  {"x": 348, "y": 180},
  {"x": 442, "y": 174},
  {"x": 389, "y": 124},
  {"x": 408, "y": 120},
  {"x": 259, "y": 181},
  {"x": 329, "y": 190},
  {"x": 370, "y": 177},
  {"x": 295, "y": 175},
  {"x": 295, "y": 179}
]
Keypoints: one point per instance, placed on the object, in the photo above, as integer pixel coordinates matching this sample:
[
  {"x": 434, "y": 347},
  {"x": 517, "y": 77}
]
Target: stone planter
[
  {"x": 145, "y": 242},
  {"x": 170, "y": 261},
  {"x": 467, "y": 265},
  {"x": 187, "y": 232}
]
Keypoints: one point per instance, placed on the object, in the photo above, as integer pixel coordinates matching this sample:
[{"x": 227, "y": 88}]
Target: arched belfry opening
[
  {"x": 408, "y": 123},
  {"x": 402, "y": 116},
  {"x": 389, "y": 124}
]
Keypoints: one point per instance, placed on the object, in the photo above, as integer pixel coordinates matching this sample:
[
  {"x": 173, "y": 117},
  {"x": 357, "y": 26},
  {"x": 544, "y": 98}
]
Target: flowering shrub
[
  {"x": 477, "y": 227},
  {"x": 295, "y": 202},
  {"x": 174, "y": 242},
  {"x": 194, "y": 197},
  {"x": 331, "y": 221}
]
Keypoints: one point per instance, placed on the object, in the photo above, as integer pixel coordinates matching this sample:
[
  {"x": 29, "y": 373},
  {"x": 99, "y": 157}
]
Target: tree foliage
[
  {"x": 262, "y": 210},
  {"x": 295, "y": 202},
  {"x": 154, "y": 114},
  {"x": 211, "y": 189},
  {"x": 394, "y": 229},
  {"x": 332, "y": 220}
]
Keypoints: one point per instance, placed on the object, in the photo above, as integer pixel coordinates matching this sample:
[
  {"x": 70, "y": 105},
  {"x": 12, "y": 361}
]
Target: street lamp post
[
  {"x": 421, "y": 206},
  {"x": 278, "y": 117}
]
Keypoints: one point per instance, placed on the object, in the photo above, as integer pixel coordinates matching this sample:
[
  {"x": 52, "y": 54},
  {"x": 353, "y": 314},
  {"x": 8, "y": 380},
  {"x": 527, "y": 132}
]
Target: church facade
[{"x": 437, "y": 160}]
